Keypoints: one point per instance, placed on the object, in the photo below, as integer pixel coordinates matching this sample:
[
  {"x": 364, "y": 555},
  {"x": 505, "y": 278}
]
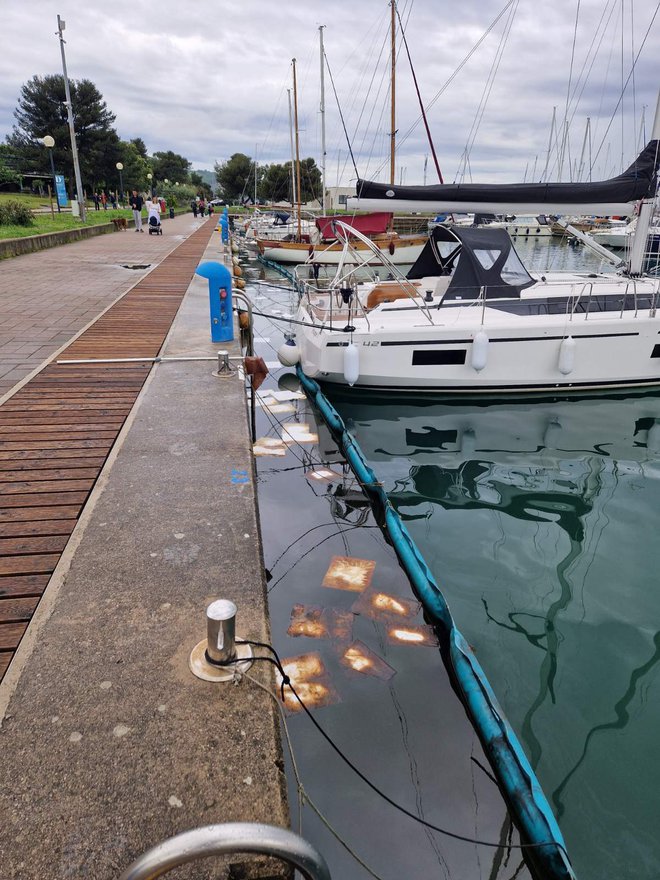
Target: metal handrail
[{"x": 231, "y": 837}]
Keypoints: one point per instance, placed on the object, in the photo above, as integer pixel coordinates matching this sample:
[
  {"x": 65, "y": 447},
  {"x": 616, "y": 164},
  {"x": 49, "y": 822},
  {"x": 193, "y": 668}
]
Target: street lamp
[
  {"x": 49, "y": 142},
  {"x": 150, "y": 178},
  {"x": 119, "y": 166}
]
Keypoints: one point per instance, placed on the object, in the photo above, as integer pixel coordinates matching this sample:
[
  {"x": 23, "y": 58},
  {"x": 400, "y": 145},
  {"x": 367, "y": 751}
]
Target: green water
[{"x": 541, "y": 522}]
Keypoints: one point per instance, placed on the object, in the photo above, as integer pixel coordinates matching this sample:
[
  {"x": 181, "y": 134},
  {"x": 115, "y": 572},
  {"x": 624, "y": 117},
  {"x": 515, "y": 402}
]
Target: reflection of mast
[{"x": 622, "y": 718}]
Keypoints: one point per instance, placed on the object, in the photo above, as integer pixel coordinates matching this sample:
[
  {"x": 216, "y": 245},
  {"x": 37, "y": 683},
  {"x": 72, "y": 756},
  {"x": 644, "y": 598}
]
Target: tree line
[
  {"x": 41, "y": 111},
  {"x": 274, "y": 184}
]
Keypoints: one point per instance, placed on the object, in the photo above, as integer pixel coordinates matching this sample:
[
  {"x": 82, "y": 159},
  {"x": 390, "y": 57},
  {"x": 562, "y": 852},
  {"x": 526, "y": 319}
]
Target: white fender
[
  {"x": 566, "y": 361},
  {"x": 479, "y": 355},
  {"x": 552, "y": 434},
  {"x": 468, "y": 442},
  {"x": 653, "y": 438},
  {"x": 288, "y": 354},
  {"x": 351, "y": 363}
]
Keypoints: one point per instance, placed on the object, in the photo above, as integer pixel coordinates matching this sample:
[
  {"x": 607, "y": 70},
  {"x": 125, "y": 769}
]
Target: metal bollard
[
  {"x": 221, "y": 630},
  {"x": 224, "y": 367},
  {"x": 220, "y": 657}
]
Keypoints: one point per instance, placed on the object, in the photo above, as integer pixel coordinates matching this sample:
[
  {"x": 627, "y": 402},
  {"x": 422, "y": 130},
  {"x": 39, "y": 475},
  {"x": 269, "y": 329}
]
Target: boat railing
[
  {"x": 584, "y": 299},
  {"x": 344, "y": 232},
  {"x": 332, "y": 305}
]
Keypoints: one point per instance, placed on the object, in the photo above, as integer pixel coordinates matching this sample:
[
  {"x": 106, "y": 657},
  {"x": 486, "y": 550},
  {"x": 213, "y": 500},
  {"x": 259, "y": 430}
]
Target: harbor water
[{"x": 538, "y": 518}]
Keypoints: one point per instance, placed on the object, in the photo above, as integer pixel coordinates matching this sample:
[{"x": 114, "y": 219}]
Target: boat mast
[
  {"x": 393, "y": 91},
  {"x": 322, "y": 118},
  {"x": 295, "y": 122},
  {"x": 293, "y": 155},
  {"x": 638, "y": 247},
  {"x": 256, "y": 149},
  {"x": 547, "y": 158}
]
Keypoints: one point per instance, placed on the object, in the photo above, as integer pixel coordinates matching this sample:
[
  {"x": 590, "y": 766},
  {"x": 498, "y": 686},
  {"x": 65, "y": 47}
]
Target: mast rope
[
  {"x": 628, "y": 78},
  {"x": 488, "y": 87},
  {"x": 458, "y": 69},
  {"x": 419, "y": 98},
  {"x": 341, "y": 115}
]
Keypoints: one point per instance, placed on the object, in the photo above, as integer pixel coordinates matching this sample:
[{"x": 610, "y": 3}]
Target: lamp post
[
  {"x": 49, "y": 143},
  {"x": 80, "y": 193},
  {"x": 119, "y": 166},
  {"x": 150, "y": 178}
]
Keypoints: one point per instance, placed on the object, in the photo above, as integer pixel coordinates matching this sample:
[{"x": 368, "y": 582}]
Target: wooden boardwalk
[{"x": 57, "y": 431}]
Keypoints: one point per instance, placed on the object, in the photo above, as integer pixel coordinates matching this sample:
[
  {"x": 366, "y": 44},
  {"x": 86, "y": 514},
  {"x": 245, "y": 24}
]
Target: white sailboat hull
[
  {"x": 522, "y": 354},
  {"x": 331, "y": 255}
]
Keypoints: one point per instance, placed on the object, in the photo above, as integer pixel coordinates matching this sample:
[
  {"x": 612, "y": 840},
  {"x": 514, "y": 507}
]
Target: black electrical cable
[{"x": 286, "y": 681}]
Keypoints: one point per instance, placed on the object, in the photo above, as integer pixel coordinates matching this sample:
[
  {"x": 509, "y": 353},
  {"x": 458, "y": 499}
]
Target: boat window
[
  {"x": 513, "y": 272},
  {"x": 446, "y": 248},
  {"x": 487, "y": 258}
]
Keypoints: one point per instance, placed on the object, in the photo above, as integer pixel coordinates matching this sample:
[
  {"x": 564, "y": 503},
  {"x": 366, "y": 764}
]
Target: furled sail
[{"x": 617, "y": 195}]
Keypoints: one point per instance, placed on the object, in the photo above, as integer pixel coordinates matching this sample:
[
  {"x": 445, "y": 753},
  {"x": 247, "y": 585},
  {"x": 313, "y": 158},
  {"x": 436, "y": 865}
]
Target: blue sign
[{"x": 62, "y": 199}]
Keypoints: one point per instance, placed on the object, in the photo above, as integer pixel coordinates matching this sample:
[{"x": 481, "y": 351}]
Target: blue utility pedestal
[
  {"x": 222, "y": 320},
  {"x": 224, "y": 228}
]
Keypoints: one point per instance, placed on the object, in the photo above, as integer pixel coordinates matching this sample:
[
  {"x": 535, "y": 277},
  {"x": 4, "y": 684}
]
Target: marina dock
[{"x": 121, "y": 519}]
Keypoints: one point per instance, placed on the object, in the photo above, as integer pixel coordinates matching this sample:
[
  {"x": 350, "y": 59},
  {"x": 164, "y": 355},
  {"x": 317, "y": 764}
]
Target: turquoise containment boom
[{"x": 544, "y": 845}]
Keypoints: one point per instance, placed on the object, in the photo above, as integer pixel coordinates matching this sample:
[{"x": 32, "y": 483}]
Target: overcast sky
[{"x": 207, "y": 78}]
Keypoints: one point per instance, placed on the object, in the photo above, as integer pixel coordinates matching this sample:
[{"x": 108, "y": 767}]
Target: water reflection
[{"x": 539, "y": 520}]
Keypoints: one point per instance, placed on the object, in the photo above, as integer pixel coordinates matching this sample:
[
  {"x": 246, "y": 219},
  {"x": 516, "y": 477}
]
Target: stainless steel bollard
[
  {"x": 224, "y": 367},
  {"x": 221, "y": 630}
]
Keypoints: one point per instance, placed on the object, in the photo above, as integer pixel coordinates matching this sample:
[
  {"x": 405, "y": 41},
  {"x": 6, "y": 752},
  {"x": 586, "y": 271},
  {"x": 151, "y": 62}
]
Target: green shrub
[{"x": 13, "y": 213}]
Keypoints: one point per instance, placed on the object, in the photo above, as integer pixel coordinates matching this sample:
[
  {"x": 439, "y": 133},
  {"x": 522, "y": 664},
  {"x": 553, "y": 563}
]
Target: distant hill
[{"x": 207, "y": 176}]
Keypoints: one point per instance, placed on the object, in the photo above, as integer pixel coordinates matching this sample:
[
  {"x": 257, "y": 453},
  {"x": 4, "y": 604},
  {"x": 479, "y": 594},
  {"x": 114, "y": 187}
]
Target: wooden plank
[
  {"x": 32, "y": 544},
  {"x": 30, "y": 486},
  {"x": 60, "y": 473},
  {"x": 33, "y": 457},
  {"x": 40, "y": 564},
  {"x": 74, "y": 443},
  {"x": 15, "y": 610},
  {"x": 26, "y": 529},
  {"x": 23, "y": 585},
  {"x": 10, "y": 635},
  {"x": 42, "y": 499},
  {"x": 5, "y": 660},
  {"x": 27, "y": 514},
  {"x": 67, "y": 429}
]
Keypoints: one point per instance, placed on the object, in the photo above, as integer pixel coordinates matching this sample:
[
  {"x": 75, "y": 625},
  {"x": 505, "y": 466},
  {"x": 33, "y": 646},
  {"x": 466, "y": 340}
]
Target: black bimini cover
[
  {"x": 475, "y": 259},
  {"x": 637, "y": 182}
]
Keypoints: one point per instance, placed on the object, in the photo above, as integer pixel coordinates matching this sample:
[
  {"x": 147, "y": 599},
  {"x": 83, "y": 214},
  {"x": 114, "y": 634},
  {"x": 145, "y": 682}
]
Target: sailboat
[
  {"x": 469, "y": 317},
  {"x": 323, "y": 245}
]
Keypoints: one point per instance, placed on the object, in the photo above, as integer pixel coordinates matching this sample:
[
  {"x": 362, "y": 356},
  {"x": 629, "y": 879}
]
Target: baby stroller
[{"x": 155, "y": 225}]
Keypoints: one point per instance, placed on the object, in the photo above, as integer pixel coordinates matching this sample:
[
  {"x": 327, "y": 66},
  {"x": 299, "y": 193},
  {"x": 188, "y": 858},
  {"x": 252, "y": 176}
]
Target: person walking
[
  {"x": 193, "y": 208},
  {"x": 136, "y": 206},
  {"x": 104, "y": 200},
  {"x": 202, "y": 207},
  {"x": 96, "y": 200}
]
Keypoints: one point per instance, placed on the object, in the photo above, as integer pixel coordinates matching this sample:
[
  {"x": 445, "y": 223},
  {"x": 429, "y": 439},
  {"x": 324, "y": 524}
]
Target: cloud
[{"x": 208, "y": 79}]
